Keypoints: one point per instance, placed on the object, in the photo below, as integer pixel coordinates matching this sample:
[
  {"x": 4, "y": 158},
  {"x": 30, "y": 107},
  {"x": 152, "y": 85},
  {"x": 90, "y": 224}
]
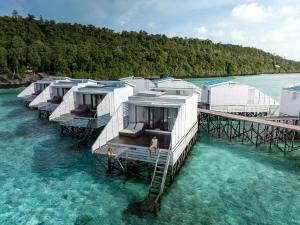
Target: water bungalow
[
  {"x": 233, "y": 97},
  {"x": 140, "y": 83},
  {"x": 35, "y": 88},
  {"x": 175, "y": 83},
  {"x": 50, "y": 98},
  {"x": 91, "y": 106},
  {"x": 290, "y": 101},
  {"x": 156, "y": 127}
]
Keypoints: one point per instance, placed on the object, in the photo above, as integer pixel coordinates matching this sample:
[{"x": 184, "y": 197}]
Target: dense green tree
[
  {"x": 3, "y": 59},
  {"x": 17, "y": 52},
  {"x": 86, "y": 51}
]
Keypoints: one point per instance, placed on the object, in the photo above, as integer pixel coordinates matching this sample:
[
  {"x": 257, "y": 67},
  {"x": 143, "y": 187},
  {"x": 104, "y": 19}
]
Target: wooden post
[
  {"x": 271, "y": 139},
  {"x": 109, "y": 164},
  {"x": 257, "y": 135},
  {"x": 219, "y": 127}
]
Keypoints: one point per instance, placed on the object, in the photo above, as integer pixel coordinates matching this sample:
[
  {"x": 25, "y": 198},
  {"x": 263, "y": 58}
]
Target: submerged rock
[
  {"x": 231, "y": 181},
  {"x": 83, "y": 220}
]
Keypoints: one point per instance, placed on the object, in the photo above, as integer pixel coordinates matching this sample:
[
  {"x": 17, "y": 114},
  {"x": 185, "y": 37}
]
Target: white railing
[
  {"x": 42, "y": 97},
  {"x": 111, "y": 130},
  {"x": 27, "y": 91},
  {"x": 163, "y": 182},
  {"x": 66, "y": 106},
  {"x": 240, "y": 108}
]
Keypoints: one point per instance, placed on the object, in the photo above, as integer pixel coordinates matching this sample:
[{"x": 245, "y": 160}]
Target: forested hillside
[{"x": 87, "y": 51}]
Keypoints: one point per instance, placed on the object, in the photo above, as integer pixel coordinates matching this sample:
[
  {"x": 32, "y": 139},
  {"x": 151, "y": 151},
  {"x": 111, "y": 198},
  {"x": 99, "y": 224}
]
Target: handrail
[
  {"x": 162, "y": 185},
  {"x": 157, "y": 159},
  {"x": 183, "y": 138}
]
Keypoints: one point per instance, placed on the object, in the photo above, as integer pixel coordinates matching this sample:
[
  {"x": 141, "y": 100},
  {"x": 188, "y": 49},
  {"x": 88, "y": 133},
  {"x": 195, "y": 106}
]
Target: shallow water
[{"x": 44, "y": 181}]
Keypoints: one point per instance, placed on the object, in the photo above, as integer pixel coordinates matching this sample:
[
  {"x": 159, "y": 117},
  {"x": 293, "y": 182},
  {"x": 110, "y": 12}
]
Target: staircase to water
[{"x": 158, "y": 182}]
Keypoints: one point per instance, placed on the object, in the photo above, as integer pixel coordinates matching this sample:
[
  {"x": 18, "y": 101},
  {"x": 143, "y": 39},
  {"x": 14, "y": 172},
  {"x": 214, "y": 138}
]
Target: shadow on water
[
  {"x": 21, "y": 112},
  {"x": 12, "y": 103},
  {"x": 56, "y": 157}
]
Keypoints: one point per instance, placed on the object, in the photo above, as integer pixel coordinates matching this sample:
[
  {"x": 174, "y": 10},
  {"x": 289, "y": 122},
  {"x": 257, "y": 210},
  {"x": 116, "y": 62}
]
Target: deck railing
[{"x": 240, "y": 108}]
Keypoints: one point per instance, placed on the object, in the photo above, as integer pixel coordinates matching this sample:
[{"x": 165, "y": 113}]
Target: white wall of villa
[
  {"x": 290, "y": 101},
  {"x": 58, "y": 88},
  {"x": 234, "y": 97},
  {"x": 66, "y": 105},
  {"x": 27, "y": 91},
  {"x": 176, "y": 83},
  {"x": 140, "y": 83},
  {"x": 183, "y": 126},
  {"x": 111, "y": 98},
  {"x": 42, "y": 97}
]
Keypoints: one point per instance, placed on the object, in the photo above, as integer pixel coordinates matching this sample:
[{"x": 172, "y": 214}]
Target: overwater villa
[
  {"x": 175, "y": 83},
  {"x": 155, "y": 127},
  {"x": 290, "y": 101},
  {"x": 35, "y": 88},
  {"x": 140, "y": 83},
  {"x": 233, "y": 97},
  {"x": 90, "y": 106},
  {"x": 50, "y": 98}
]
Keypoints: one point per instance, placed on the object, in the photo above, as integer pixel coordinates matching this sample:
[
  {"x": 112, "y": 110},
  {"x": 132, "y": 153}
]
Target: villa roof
[
  {"x": 294, "y": 88},
  {"x": 215, "y": 82}
]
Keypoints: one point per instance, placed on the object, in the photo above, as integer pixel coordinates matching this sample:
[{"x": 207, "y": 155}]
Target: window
[
  {"x": 87, "y": 100},
  {"x": 156, "y": 117},
  {"x": 59, "y": 92},
  {"x": 142, "y": 115},
  {"x": 96, "y": 100}
]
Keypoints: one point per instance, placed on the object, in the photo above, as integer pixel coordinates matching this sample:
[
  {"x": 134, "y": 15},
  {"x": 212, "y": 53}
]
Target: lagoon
[{"x": 44, "y": 181}]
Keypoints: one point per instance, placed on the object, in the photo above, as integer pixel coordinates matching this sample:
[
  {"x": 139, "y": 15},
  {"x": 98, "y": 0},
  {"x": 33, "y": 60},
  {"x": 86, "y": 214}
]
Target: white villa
[
  {"x": 50, "y": 98},
  {"x": 175, "y": 83},
  {"x": 91, "y": 105},
  {"x": 35, "y": 88},
  {"x": 156, "y": 127},
  {"x": 233, "y": 97},
  {"x": 140, "y": 83},
  {"x": 170, "y": 116},
  {"x": 290, "y": 101}
]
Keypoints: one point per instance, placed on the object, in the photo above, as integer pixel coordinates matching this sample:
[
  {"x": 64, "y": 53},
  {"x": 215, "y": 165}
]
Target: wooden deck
[
  {"x": 251, "y": 119},
  {"x": 143, "y": 140}
]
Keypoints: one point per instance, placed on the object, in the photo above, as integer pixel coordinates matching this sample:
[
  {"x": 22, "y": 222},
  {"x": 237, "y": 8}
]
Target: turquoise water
[{"x": 44, "y": 181}]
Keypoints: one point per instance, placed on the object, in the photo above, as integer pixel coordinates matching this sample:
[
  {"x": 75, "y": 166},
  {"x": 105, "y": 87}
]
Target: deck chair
[{"x": 132, "y": 130}]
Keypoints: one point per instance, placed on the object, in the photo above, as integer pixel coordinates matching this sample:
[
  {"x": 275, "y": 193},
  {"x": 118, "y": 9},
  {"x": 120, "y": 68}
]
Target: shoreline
[{"x": 24, "y": 80}]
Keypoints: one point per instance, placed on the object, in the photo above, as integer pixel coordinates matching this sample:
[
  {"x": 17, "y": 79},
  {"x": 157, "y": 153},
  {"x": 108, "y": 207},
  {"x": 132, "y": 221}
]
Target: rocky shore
[{"x": 18, "y": 80}]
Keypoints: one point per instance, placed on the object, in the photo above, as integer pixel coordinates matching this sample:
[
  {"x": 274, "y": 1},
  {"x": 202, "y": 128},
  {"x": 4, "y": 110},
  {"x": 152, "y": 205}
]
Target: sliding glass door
[
  {"x": 92, "y": 101},
  {"x": 156, "y": 117}
]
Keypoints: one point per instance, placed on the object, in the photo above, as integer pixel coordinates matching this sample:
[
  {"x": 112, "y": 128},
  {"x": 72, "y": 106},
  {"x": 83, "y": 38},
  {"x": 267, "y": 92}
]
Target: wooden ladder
[
  {"x": 159, "y": 177},
  {"x": 89, "y": 131}
]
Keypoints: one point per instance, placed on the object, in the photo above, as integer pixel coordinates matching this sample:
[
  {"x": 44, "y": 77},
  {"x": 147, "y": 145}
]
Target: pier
[{"x": 257, "y": 131}]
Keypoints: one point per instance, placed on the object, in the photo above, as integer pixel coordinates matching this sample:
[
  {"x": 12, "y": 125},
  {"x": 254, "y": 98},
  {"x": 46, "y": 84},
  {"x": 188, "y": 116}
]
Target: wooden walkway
[
  {"x": 268, "y": 121},
  {"x": 255, "y": 130}
]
